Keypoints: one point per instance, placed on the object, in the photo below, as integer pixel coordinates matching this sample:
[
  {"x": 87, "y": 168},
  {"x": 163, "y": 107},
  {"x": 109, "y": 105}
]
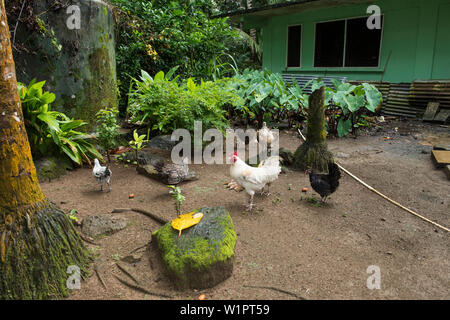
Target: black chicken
[{"x": 325, "y": 184}]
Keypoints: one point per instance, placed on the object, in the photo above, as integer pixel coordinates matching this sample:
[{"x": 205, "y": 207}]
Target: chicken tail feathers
[{"x": 334, "y": 174}]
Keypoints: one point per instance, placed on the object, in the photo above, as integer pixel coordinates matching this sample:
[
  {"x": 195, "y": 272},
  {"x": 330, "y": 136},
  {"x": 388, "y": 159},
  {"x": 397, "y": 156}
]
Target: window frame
[
  {"x": 345, "y": 43},
  {"x": 287, "y": 45}
]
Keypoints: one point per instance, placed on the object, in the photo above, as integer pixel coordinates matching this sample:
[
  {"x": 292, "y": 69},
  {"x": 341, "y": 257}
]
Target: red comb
[{"x": 235, "y": 154}]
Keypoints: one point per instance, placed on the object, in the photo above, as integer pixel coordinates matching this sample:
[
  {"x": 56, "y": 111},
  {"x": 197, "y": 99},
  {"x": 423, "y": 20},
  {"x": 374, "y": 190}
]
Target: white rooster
[
  {"x": 254, "y": 179},
  {"x": 102, "y": 174}
]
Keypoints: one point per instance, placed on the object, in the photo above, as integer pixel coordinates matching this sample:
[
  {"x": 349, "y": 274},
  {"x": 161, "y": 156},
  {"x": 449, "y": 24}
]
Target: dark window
[
  {"x": 329, "y": 46},
  {"x": 294, "y": 46},
  {"x": 363, "y": 44}
]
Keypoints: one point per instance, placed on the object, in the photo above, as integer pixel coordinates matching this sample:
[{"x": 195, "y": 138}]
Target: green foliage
[
  {"x": 177, "y": 197},
  {"x": 267, "y": 95},
  {"x": 138, "y": 143},
  {"x": 165, "y": 104},
  {"x": 159, "y": 35},
  {"x": 347, "y": 104},
  {"x": 52, "y": 131},
  {"x": 107, "y": 129}
]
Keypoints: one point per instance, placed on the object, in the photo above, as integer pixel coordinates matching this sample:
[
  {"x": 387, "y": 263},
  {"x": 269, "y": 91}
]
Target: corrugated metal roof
[{"x": 302, "y": 80}]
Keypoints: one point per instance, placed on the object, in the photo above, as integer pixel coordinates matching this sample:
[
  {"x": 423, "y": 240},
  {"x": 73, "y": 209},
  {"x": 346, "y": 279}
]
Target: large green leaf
[
  {"x": 373, "y": 97},
  {"x": 344, "y": 127},
  {"x": 50, "y": 120}
]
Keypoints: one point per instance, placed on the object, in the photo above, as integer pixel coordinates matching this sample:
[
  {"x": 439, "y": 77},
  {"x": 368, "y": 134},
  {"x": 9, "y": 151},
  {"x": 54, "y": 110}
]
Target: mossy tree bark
[
  {"x": 37, "y": 240},
  {"x": 313, "y": 153}
]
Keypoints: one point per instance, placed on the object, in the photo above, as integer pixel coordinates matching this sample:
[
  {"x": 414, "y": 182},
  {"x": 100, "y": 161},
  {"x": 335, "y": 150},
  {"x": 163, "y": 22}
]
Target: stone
[
  {"x": 162, "y": 142},
  {"x": 144, "y": 158},
  {"x": 203, "y": 256},
  {"x": 49, "y": 168},
  {"x": 103, "y": 224}
]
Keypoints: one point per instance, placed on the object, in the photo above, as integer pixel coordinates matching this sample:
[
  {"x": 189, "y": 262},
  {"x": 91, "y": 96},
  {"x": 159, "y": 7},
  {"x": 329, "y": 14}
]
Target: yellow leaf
[{"x": 187, "y": 220}]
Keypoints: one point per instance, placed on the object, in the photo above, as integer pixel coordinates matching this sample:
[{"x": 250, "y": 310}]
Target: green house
[{"x": 401, "y": 45}]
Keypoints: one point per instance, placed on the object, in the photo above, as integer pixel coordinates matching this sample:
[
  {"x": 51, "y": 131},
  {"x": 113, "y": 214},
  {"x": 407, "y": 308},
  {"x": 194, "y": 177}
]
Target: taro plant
[
  {"x": 52, "y": 131},
  {"x": 138, "y": 143},
  {"x": 347, "y": 104},
  {"x": 177, "y": 197},
  {"x": 267, "y": 95},
  {"x": 107, "y": 129}
]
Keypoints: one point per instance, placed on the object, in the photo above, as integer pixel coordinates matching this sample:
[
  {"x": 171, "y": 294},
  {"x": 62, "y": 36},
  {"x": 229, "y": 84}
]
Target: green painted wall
[{"x": 416, "y": 32}]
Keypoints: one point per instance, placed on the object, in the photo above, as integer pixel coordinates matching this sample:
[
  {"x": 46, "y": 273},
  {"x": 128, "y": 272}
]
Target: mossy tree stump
[
  {"x": 37, "y": 240},
  {"x": 313, "y": 153},
  {"x": 203, "y": 255}
]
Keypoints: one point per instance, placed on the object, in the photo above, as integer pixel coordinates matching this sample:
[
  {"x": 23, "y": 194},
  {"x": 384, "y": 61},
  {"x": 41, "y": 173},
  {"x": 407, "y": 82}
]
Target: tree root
[
  {"x": 155, "y": 217},
  {"x": 127, "y": 273},
  {"x": 277, "y": 289},
  {"x": 142, "y": 289},
  {"x": 97, "y": 272}
]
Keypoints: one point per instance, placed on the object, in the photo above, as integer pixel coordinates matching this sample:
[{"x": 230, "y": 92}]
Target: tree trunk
[
  {"x": 37, "y": 240},
  {"x": 313, "y": 153}
]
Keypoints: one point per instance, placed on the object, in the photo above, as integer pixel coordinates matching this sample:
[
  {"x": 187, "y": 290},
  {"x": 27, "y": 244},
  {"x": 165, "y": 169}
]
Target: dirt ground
[{"x": 318, "y": 252}]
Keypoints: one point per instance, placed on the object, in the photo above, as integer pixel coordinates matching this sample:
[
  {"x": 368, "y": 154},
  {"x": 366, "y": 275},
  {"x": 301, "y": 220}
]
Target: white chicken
[
  {"x": 102, "y": 174},
  {"x": 265, "y": 134},
  {"x": 254, "y": 179}
]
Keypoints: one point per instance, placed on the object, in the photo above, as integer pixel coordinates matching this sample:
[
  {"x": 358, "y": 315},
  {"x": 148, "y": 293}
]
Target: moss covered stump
[
  {"x": 203, "y": 255},
  {"x": 314, "y": 153}
]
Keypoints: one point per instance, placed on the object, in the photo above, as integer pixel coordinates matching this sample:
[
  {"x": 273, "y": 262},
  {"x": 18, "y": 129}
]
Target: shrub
[
  {"x": 267, "y": 95},
  {"x": 107, "y": 129},
  {"x": 164, "y": 104},
  {"x": 347, "y": 104},
  {"x": 52, "y": 131}
]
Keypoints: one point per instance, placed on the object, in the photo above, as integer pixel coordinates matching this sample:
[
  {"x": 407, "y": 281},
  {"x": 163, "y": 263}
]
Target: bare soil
[{"x": 288, "y": 242}]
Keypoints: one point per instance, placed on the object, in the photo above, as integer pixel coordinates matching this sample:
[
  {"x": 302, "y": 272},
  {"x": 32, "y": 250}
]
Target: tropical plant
[
  {"x": 107, "y": 129},
  {"x": 138, "y": 143},
  {"x": 177, "y": 197},
  {"x": 164, "y": 104},
  {"x": 52, "y": 131},
  {"x": 267, "y": 96},
  {"x": 347, "y": 104}
]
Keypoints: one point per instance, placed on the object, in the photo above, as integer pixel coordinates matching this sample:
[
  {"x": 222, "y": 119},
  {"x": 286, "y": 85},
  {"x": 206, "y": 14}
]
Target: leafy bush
[
  {"x": 162, "y": 34},
  {"x": 107, "y": 129},
  {"x": 267, "y": 95},
  {"x": 164, "y": 104},
  {"x": 52, "y": 131},
  {"x": 347, "y": 105}
]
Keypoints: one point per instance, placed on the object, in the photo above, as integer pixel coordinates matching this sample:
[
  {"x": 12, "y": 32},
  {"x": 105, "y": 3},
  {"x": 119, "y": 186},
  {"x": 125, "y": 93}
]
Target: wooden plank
[
  {"x": 441, "y": 158},
  {"x": 430, "y": 112},
  {"x": 442, "y": 115}
]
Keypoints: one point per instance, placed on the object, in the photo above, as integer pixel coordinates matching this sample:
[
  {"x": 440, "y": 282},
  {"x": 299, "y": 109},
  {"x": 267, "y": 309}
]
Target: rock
[
  {"x": 144, "y": 158},
  {"x": 162, "y": 142},
  {"x": 103, "y": 224},
  {"x": 203, "y": 255},
  {"x": 150, "y": 171},
  {"x": 51, "y": 167}
]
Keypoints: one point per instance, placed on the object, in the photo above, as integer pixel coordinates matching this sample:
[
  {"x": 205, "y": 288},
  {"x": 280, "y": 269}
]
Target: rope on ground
[{"x": 384, "y": 196}]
